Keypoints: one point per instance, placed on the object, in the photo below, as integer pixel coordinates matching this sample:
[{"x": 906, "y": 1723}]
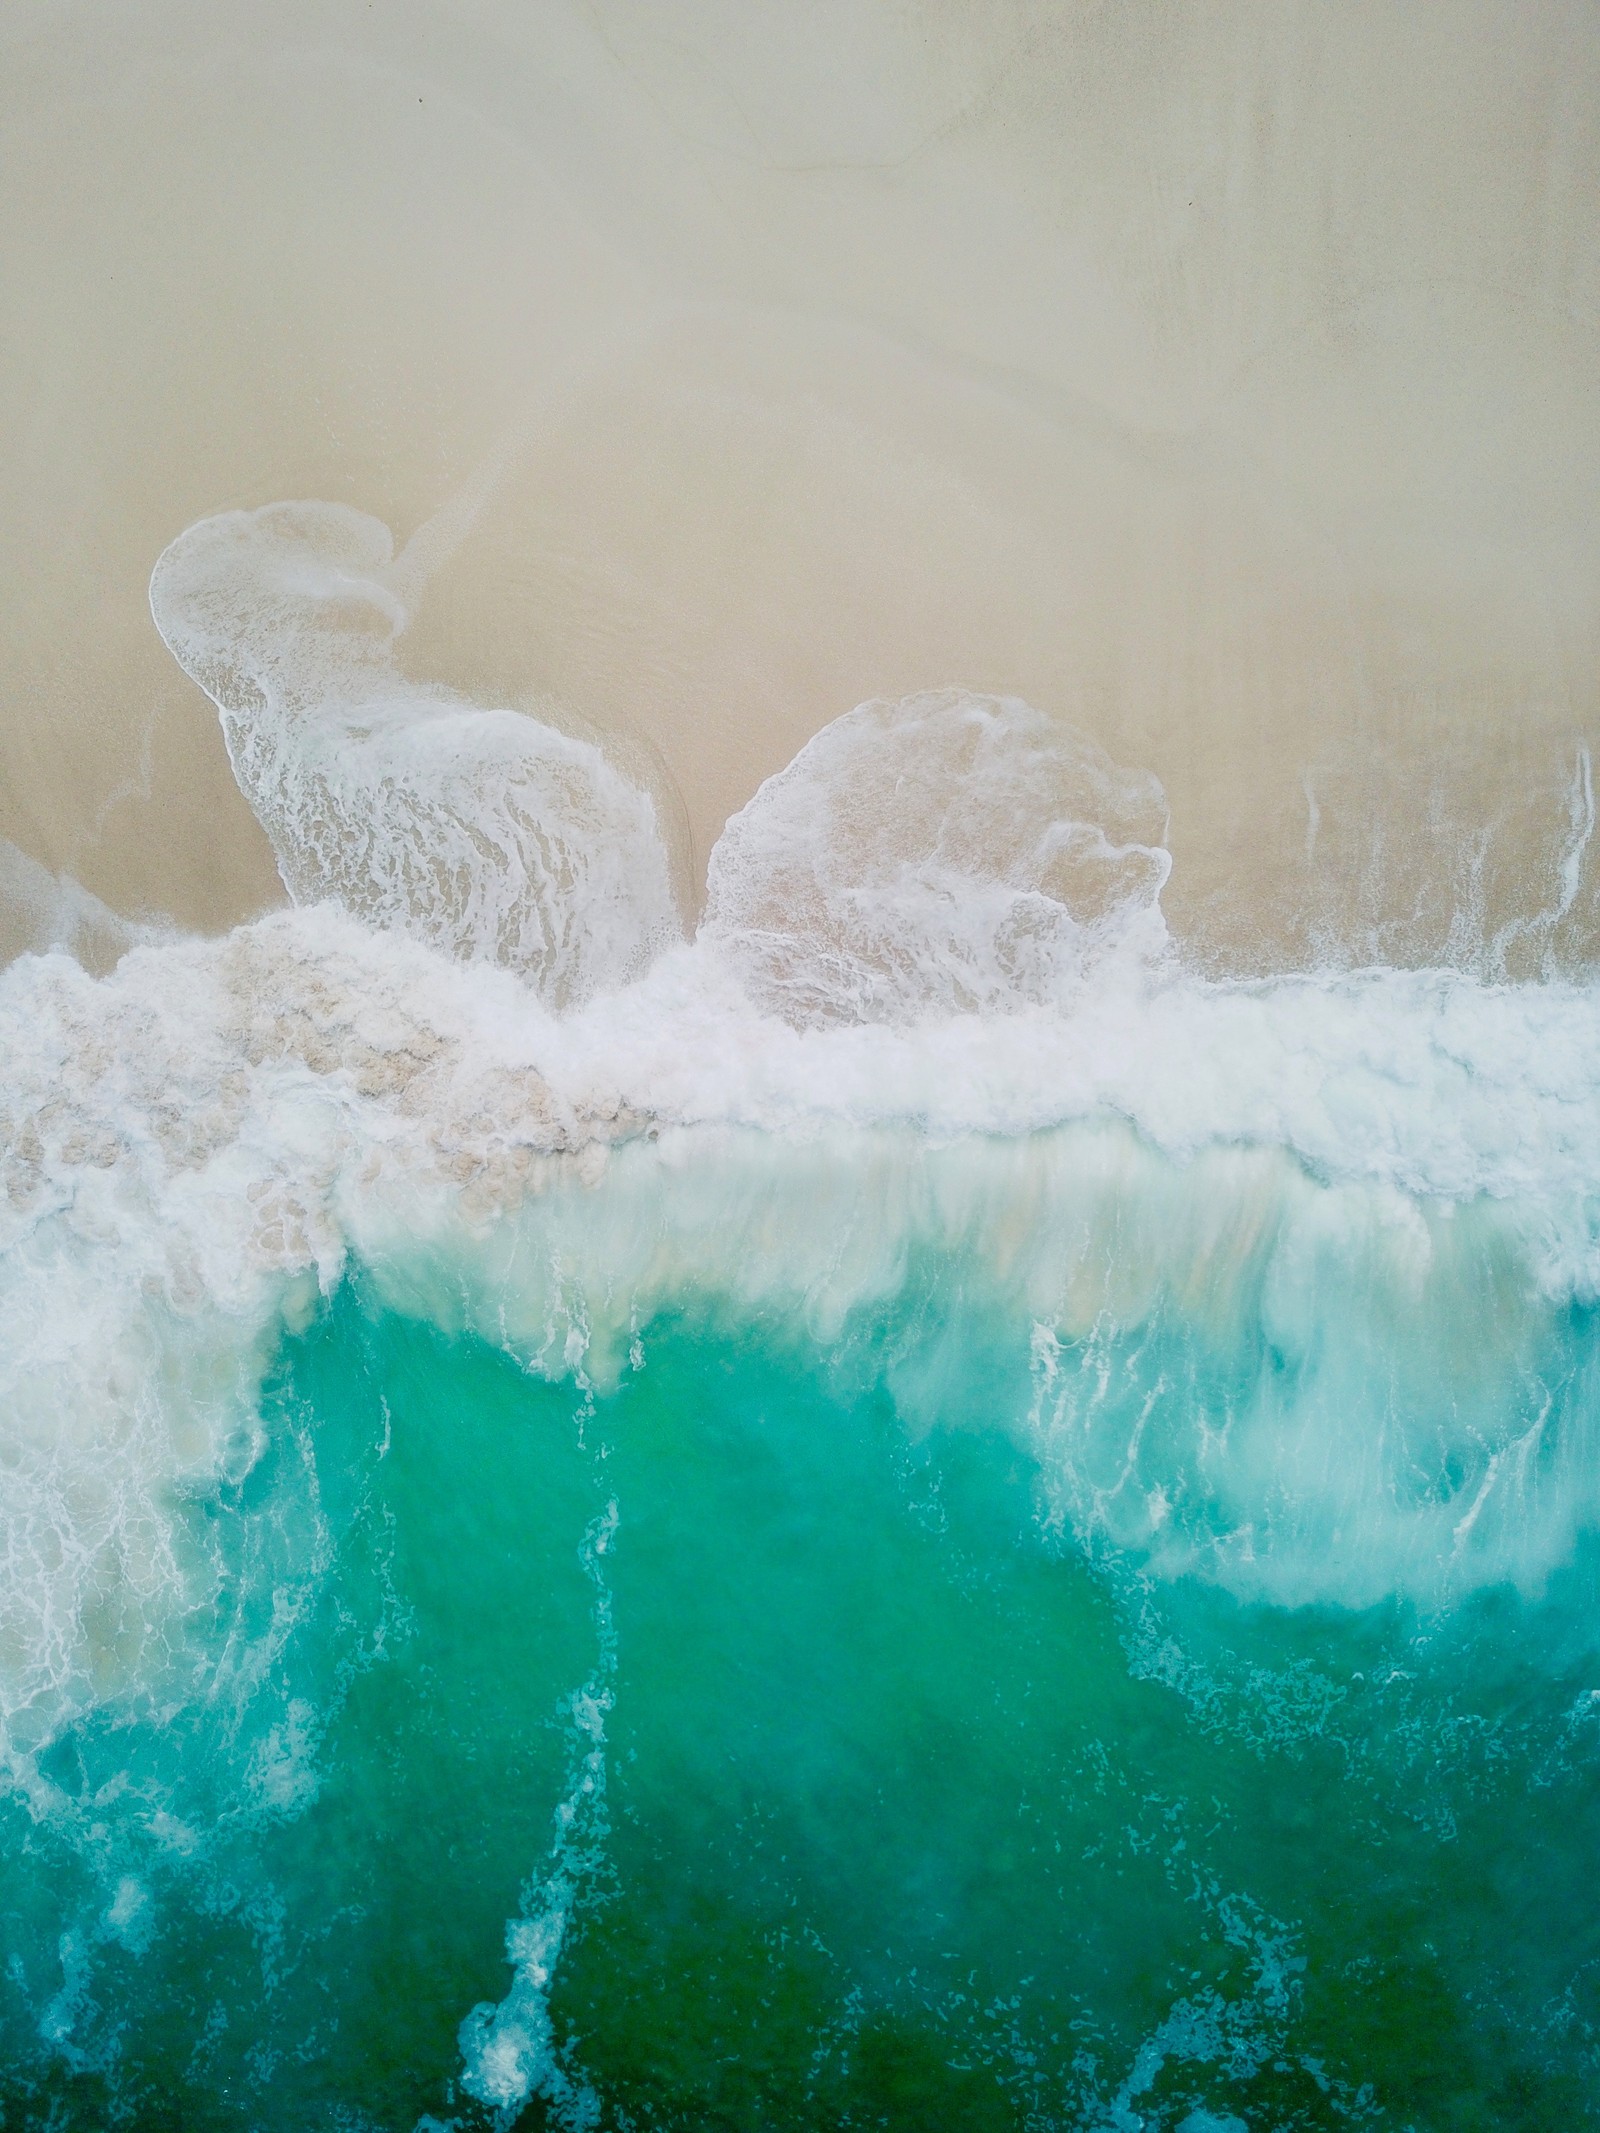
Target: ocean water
[{"x": 799, "y": 1069}]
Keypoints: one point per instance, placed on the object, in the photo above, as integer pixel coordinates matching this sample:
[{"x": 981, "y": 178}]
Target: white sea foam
[
  {"x": 951, "y": 852},
  {"x": 1386, "y": 1188},
  {"x": 497, "y": 835}
]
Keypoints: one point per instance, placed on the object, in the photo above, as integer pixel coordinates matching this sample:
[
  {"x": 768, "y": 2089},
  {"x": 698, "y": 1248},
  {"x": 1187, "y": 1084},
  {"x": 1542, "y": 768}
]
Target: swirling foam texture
[
  {"x": 490, "y": 832},
  {"x": 952, "y": 852}
]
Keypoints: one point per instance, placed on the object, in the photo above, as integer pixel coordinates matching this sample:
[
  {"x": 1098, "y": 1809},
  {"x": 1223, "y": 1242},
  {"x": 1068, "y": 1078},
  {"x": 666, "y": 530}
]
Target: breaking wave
[{"x": 1284, "y": 1288}]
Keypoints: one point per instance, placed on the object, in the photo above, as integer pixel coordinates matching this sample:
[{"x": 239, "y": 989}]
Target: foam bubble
[
  {"x": 949, "y": 852},
  {"x": 498, "y": 836}
]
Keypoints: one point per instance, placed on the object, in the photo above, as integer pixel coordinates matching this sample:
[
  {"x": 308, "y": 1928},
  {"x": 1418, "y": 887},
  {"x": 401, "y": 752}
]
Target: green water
[{"x": 901, "y": 1813}]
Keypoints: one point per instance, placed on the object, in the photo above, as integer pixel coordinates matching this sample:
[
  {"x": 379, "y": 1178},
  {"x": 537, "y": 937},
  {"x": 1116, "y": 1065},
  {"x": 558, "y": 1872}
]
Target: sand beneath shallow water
[{"x": 1220, "y": 379}]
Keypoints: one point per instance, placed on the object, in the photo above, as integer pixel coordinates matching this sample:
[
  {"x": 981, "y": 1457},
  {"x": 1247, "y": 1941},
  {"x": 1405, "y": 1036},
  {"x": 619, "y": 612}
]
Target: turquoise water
[{"x": 847, "y": 1784}]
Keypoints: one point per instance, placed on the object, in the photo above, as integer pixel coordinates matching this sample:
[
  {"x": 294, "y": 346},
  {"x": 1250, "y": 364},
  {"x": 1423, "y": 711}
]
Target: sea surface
[{"x": 800, "y": 1071}]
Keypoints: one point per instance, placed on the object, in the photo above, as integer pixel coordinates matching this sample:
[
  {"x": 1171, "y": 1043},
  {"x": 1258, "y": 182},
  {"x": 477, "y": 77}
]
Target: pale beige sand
[{"x": 1222, "y": 376}]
